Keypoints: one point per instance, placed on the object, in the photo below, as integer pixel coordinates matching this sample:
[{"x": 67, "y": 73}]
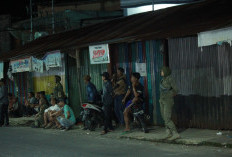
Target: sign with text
[
  {"x": 37, "y": 65},
  {"x": 21, "y": 65},
  {"x": 1, "y": 70},
  {"x": 52, "y": 59},
  {"x": 99, "y": 54},
  {"x": 141, "y": 68}
]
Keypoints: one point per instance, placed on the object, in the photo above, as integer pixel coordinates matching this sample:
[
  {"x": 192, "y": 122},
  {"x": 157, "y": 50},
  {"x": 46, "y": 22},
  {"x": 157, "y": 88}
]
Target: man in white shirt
[{"x": 48, "y": 112}]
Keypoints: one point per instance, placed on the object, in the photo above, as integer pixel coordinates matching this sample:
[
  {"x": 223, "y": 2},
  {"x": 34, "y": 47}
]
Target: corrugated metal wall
[
  {"x": 204, "y": 78},
  {"x": 86, "y": 69},
  {"x": 21, "y": 85},
  {"x": 127, "y": 55}
]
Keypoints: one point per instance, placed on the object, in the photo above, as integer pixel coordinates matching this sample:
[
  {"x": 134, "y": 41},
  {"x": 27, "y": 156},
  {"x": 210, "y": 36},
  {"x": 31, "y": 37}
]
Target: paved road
[{"x": 27, "y": 142}]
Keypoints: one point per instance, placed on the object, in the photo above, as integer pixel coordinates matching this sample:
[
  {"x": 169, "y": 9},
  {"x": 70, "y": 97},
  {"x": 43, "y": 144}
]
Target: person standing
[
  {"x": 168, "y": 90},
  {"x": 58, "y": 90},
  {"x": 135, "y": 93},
  {"x": 4, "y": 103},
  {"x": 91, "y": 90},
  {"x": 120, "y": 88},
  {"x": 107, "y": 99}
]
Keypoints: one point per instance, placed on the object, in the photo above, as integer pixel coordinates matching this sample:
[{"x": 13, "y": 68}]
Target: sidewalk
[{"x": 197, "y": 137}]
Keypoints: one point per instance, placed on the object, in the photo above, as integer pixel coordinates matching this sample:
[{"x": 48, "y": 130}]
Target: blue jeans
[
  {"x": 65, "y": 122},
  {"x": 119, "y": 108}
]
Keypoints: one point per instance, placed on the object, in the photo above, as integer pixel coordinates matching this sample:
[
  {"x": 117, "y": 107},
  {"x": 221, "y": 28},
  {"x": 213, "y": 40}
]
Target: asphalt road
[{"x": 28, "y": 142}]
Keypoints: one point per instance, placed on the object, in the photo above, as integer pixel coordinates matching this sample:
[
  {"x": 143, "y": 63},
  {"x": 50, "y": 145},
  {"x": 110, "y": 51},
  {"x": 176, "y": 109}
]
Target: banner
[
  {"x": 141, "y": 68},
  {"x": 37, "y": 65},
  {"x": 99, "y": 54},
  {"x": 215, "y": 37},
  {"x": 1, "y": 69},
  {"x": 21, "y": 65},
  {"x": 52, "y": 59}
]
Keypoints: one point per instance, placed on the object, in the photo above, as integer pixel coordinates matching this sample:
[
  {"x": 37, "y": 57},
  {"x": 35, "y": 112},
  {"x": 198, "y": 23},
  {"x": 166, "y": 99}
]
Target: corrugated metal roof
[{"x": 177, "y": 21}]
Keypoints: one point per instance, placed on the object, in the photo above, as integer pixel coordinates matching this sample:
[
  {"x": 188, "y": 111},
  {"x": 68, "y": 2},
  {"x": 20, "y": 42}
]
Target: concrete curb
[
  {"x": 182, "y": 141},
  {"x": 205, "y": 143}
]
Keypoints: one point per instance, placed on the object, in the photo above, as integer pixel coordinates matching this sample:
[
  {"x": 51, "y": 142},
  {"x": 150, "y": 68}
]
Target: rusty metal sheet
[{"x": 177, "y": 21}]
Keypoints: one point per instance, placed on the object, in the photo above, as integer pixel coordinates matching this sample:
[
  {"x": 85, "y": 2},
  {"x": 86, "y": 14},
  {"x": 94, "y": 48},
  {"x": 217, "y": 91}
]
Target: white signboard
[
  {"x": 1, "y": 70},
  {"x": 215, "y": 37},
  {"x": 99, "y": 54},
  {"x": 21, "y": 65},
  {"x": 37, "y": 65},
  {"x": 52, "y": 59},
  {"x": 141, "y": 68}
]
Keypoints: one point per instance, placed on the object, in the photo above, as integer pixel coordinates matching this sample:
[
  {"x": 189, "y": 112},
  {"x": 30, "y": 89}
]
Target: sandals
[{"x": 126, "y": 132}]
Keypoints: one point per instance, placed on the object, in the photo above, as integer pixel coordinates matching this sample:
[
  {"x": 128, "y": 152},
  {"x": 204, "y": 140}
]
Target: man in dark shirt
[
  {"x": 4, "y": 103},
  {"x": 91, "y": 89},
  {"x": 135, "y": 94},
  {"x": 107, "y": 99}
]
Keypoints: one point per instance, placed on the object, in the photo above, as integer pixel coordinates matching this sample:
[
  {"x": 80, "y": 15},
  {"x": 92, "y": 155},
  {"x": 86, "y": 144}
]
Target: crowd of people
[
  {"x": 53, "y": 114},
  {"x": 117, "y": 96}
]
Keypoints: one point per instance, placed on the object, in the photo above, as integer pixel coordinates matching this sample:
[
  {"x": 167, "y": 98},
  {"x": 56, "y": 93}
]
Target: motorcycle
[
  {"x": 140, "y": 118},
  {"x": 92, "y": 116}
]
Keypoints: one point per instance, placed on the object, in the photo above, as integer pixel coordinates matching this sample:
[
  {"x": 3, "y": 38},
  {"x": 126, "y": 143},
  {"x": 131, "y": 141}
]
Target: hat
[
  {"x": 106, "y": 75},
  {"x": 166, "y": 70},
  {"x": 58, "y": 77},
  {"x": 136, "y": 75}
]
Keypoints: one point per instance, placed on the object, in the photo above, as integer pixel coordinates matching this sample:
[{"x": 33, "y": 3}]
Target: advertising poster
[
  {"x": 21, "y": 65},
  {"x": 141, "y": 68},
  {"x": 99, "y": 54}
]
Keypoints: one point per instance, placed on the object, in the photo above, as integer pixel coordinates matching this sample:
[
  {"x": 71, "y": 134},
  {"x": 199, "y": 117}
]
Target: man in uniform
[
  {"x": 58, "y": 90},
  {"x": 43, "y": 105},
  {"x": 168, "y": 90}
]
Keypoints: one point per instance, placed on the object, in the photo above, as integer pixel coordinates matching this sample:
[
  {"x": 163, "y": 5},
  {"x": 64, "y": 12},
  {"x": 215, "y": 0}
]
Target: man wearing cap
[
  {"x": 168, "y": 90},
  {"x": 107, "y": 99},
  {"x": 135, "y": 93},
  {"x": 120, "y": 88},
  {"x": 91, "y": 89},
  {"x": 4, "y": 103},
  {"x": 58, "y": 90}
]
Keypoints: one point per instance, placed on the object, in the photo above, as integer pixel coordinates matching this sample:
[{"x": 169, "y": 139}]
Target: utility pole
[
  {"x": 53, "y": 21},
  {"x": 153, "y": 7},
  {"x": 31, "y": 35}
]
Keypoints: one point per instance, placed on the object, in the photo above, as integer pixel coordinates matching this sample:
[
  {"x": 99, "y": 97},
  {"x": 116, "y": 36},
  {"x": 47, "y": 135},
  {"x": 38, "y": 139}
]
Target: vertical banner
[
  {"x": 1, "y": 70},
  {"x": 37, "y": 65},
  {"x": 52, "y": 59},
  {"x": 21, "y": 65},
  {"x": 141, "y": 68},
  {"x": 99, "y": 54}
]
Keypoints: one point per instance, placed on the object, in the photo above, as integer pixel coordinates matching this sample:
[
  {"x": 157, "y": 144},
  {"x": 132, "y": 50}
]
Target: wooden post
[{"x": 78, "y": 74}]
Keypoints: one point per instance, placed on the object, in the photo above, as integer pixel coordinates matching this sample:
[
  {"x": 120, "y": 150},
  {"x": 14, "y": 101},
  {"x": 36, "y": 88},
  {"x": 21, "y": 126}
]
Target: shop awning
[{"x": 180, "y": 21}]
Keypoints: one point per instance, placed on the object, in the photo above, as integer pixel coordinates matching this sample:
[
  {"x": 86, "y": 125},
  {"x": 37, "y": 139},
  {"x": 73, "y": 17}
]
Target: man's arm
[
  {"x": 126, "y": 96},
  {"x": 68, "y": 115},
  {"x": 174, "y": 86}
]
